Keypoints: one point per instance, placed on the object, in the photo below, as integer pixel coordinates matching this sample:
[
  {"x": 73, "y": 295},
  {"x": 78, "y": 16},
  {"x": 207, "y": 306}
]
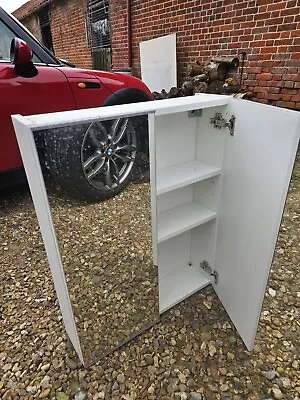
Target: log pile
[{"x": 217, "y": 76}]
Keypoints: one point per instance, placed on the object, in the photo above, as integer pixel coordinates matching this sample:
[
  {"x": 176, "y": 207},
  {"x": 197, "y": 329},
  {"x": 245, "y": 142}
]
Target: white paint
[
  {"x": 152, "y": 159},
  {"x": 210, "y": 142},
  {"x": 158, "y": 63},
  {"x": 177, "y": 220},
  {"x": 175, "y": 177},
  {"x": 39, "y": 196},
  {"x": 257, "y": 170},
  {"x": 161, "y": 107},
  {"x": 230, "y": 219},
  {"x": 177, "y": 278},
  {"x": 207, "y": 193},
  {"x": 203, "y": 244},
  {"x": 174, "y": 198},
  {"x": 180, "y": 285}
]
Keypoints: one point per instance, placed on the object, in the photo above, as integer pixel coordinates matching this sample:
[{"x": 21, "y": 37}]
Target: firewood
[
  {"x": 164, "y": 94},
  {"x": 200, "y": 87},
  {"x": 232, "y": 62},
  {"x": 174, "y": 92},
  {"x": 216, "y": 87},
  {"x": 215, "y": 71},
  {"x": 231, "y": 85},
  {"x": 231, "y": 89},
  {"x": 187, "y": 88},
  {"x": 156, "y": 95},
  {"x": 194, "y": 69},
  {"x": 232, "y": 81},
  {"x": 201, "y": 77},
  {"x": 245, "y": 96}
]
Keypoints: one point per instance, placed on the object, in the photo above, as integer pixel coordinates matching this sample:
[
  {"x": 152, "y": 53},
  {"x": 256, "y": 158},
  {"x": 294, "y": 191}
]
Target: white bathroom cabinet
[{"x": 220, "y": 172}]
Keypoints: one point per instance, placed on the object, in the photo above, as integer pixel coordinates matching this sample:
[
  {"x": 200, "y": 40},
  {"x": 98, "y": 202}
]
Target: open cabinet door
[{"x": 259, "y": 160}]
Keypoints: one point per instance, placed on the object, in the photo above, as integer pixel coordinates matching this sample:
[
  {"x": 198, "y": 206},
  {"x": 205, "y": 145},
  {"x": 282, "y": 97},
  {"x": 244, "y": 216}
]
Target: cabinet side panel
[
  {"x": 41, "y": 204},
  {"x": 175, "y": 139},
  {"x": 257, "y": 169},
  {"x": 210, "y": 140},
  {"x": 152, "y": 159}
]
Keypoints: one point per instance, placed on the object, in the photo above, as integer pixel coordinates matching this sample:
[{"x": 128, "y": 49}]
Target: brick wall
[
  {"x": 68, "y": 27},
  {"x": 267, "y": 30},
  {"x": 32, "y": 24},
  {"x": 67, "y": 20}
]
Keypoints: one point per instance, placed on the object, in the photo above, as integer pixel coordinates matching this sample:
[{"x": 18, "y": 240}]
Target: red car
[{"x": 94, "y": 162}]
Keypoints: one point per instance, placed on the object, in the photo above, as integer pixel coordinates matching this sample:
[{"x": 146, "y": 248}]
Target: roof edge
[{"x": 29, "y": 8}]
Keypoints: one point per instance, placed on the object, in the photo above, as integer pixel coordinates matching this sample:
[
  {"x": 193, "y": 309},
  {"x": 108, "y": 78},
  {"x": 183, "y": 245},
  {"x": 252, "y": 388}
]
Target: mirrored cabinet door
[{"x": 97, "y": 181}]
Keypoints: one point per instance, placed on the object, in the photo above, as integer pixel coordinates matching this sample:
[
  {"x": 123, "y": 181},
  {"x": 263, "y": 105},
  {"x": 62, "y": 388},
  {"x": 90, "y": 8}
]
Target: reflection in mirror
[{"x": 98, "y": 184}]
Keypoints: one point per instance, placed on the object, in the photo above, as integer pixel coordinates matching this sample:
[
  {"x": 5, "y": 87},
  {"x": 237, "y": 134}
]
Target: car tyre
[{"x": 93, "y": 162}]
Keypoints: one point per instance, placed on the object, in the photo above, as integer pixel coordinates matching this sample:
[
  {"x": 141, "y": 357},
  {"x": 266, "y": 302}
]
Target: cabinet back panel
[
  {"x": 174, "y": 198},
  {"x": 207, "y": 193},
  {"x": 174, "y": 254},
  {"x": 210, "y": 142},
  {"x": 175, "y": 139},
  {"x": 203, "y": 243}
]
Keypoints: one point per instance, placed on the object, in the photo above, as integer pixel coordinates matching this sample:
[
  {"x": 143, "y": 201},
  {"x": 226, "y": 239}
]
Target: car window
[{"x": 6, "y": 36}]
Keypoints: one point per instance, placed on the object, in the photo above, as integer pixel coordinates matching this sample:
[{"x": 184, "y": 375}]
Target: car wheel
[{"x": 94, "y": 162}]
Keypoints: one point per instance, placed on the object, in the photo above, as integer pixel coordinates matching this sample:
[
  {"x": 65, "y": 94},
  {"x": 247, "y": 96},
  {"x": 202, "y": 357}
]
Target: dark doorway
[{"x": 46, "y": 28}]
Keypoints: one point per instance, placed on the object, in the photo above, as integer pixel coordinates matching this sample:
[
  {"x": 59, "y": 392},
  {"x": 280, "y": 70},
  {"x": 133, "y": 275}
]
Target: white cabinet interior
[{"x": 189, "y": 162}]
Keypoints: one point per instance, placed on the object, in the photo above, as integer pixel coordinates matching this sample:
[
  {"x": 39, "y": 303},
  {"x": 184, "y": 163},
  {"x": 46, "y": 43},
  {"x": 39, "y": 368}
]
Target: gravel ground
[
  {"x": 193, "y": 353},
  {"x": 114, "y": 291}
]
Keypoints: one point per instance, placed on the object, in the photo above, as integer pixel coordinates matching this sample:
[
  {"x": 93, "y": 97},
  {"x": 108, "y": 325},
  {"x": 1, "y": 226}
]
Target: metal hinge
[
  {"x": 219, "y": 122},
  {"x": 195, "y": 113},
  {"x": 208, "y": 269}
]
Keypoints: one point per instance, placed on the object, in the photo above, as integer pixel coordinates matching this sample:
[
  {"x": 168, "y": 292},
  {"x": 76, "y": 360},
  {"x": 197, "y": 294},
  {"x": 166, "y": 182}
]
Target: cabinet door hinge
[
  {"x": 208, "y": 269},
  {"x": 219, "y": 122}
]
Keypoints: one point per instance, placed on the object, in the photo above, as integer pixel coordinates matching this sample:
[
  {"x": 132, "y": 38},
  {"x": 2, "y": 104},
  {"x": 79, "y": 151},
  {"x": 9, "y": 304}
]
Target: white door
[
  {"x": 158, "y": 63},
  {"x": 257, "y": 169}
]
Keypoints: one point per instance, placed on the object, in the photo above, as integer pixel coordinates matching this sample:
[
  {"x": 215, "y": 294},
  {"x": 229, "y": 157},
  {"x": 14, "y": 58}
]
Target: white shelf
[
  {"x": 184, "y": 174},
  {"x": 182, "y": 218},
  {"x": 181, "y": 284}
]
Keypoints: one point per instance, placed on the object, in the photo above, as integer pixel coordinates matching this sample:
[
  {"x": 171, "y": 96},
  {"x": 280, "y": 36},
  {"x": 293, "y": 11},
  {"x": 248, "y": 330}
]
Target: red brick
[
  {"x": 289, "y": 84},
  {"x": 287, "y": 104},
  {"x": 254, "y": 70},
  {"x": 272, "y": 96},
  {"x": 289, "y": 11},
  {"x": 265, "y": 76},
  {"x": 274, "y": 90},
  {"x": 268, "y": 30},
  {"x": 285, "y": 34},
  {"x": 291, "y": 77},
  {"x": 281, "y": 42},
  {"x": 295, "y": 33},
  {"x": 259, "y": 89},
  {"x": 277, "y": 6},
  {"x": 295, "y": 98},
  {"x": 286, "y": 97},
  {"x": 287, "y": 91},
  {"x": 269, "y": 49},
  {"x": 291, "y": 3}
]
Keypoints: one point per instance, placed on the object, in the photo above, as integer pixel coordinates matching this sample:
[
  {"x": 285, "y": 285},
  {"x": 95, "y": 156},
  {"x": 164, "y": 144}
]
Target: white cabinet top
[{"x": 160, "y": 107}]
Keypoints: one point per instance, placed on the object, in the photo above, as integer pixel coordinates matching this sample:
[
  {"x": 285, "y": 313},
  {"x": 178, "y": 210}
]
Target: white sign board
[{"x": 158, "y": 63}]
